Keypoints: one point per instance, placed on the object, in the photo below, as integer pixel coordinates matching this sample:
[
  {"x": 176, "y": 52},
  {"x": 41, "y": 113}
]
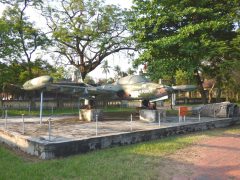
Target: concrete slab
[
  {"x": 69, "y": 135},
  {"x": 90, "y": 114},
  {"x": 151, "y": 115}
]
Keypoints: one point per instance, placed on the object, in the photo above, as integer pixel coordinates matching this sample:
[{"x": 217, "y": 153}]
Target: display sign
[{"x": 183, "y": 110}]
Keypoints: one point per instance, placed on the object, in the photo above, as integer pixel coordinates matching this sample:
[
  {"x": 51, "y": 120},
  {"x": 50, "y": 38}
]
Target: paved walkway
[{"x": 215, "y": 158}]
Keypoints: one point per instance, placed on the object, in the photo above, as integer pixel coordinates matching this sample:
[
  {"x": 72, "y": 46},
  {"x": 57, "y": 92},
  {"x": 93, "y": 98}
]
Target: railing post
[
  {"x": 159, "y": 118},
  {"x": 41, "y": 107},
  {"x": 131, "y": 119},
  {"x": 96, "y": 124},
  {"x": 52, "y": 109},
  {"x": 6, "y": 117},
  {"x": 29, "y": 110},
  {"x": 179, "y": 116},
  {"x": 49, "y": 129},
  {"x": 23, "y": 127}
]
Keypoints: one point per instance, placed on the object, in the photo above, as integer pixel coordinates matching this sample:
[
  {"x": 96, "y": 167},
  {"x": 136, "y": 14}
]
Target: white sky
[{"x": 117, "y": 59}]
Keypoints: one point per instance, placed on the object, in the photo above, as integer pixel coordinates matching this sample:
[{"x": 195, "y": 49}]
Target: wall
[{"x": 49, "y": 104}]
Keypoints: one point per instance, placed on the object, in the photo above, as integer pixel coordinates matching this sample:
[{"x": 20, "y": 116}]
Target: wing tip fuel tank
[{"x": 37, "y": 83}]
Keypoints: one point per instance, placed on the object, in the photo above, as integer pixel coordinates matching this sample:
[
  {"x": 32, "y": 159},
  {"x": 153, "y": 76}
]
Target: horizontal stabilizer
[
  {"x": 184, "y": 88},
  {"x": 159, "y": 99}
]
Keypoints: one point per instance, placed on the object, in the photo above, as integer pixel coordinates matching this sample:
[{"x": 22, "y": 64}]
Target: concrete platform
[{"x": 69, "y": 135}]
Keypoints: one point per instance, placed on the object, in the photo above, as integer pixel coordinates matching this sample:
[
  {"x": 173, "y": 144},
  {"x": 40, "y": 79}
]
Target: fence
[
  {"x": 52, "y": 127},
  {"x": 195, "y": 100},
  {"x": 68, "y": 104}
]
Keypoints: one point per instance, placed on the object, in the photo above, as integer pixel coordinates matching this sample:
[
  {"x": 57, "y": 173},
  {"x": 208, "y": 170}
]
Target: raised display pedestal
[
  {"x": 151, "y": 115},
  {"x": 90, "y": 114}
]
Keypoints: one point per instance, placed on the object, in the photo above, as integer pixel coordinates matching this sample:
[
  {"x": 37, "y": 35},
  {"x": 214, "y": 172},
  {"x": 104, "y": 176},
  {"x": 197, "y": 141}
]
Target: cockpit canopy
[{"x": 133, "y": 79}]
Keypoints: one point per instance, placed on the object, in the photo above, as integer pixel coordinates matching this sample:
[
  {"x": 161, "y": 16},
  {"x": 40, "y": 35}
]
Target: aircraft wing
[
  {"x": 45, "y": 83},
  {"x": 69, "y": 89},
  {"x": 159, "y": 98},
  {"x": 184, "y": 88}
]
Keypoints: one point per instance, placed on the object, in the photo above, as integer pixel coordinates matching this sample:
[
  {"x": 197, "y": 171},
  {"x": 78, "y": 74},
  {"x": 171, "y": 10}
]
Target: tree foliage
[
  {"x": 20, "y": 38},
  {"x": 204, "y": 33},
  {"x": 86, "y": 32},
  {"x": 89, "y": 80},
  {"x": 131, "y": 71},
  {"x": 118, "y": 72},
  {"x": 15, "y": 73},
  {"x": 8, "y": 44}
]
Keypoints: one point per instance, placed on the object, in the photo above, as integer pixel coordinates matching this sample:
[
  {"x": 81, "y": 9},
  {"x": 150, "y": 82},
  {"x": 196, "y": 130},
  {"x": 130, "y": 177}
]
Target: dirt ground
[{"x": 215, "y": 158}]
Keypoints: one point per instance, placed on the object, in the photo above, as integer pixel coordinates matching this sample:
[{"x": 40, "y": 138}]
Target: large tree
[
  {"x": 86, "y": 31},
  {"x": 201, "y": 32},
  {"x": 20, "y": 38}
]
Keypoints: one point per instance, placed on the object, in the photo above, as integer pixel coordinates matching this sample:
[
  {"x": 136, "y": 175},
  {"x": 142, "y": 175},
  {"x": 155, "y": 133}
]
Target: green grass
[
  {"x": 119, "y": 109},
  {"x": 191, "y": 105},
  {"x": 70, "y": 111},
  {"x": 140, "y": 161},
  {"x": 172, "y": 112},
  {"x": 13, "y": 112}
]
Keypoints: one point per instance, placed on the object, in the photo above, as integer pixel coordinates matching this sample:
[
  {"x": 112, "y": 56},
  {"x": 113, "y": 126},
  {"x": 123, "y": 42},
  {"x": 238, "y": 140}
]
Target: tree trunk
[
  {"x": 210, "y": 94},
  {"x": 30, "y": 70},
  {"x": 200, "y": 87},
  {"x": 227, "y": 95},
  {"x": 83, "y": 74},
  {"x": 219, "y": 89}
]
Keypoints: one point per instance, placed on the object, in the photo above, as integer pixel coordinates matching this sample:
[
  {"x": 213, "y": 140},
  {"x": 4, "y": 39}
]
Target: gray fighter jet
[{"x": 134, "y": 86}]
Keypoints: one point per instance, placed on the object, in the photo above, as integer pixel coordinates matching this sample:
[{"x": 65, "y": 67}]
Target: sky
[{"x": 120, "y": 59}]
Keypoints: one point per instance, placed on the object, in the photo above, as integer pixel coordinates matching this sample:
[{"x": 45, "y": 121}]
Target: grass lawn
[
  {"x": 140, "y": 161},
  {"x": 70, "y": 111}
]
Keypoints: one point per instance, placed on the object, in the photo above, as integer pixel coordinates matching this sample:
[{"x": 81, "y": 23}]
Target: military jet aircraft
[
  {"x": 133, "y": 86},
  {"x": 136, "y": 86}
]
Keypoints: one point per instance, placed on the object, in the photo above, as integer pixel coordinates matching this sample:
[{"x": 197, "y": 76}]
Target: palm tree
[
  {"x": 130, "y": 71},
  {"x": 105, "y": 68},
  {"x": 118, "y": 71}
]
